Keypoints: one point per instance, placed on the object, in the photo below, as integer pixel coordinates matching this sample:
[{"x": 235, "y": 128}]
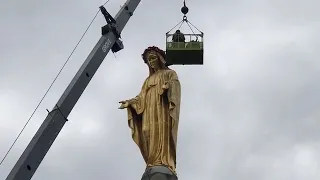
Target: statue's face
[{"x": 153, "y": 60}]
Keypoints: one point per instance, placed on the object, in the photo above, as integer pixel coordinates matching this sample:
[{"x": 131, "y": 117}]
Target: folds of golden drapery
[{"x": 154, "y": 118}]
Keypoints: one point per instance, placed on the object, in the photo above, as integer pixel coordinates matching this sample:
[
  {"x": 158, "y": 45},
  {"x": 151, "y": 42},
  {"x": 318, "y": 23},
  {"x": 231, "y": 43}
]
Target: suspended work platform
[
  {"x": 189, "y": 52},
  {"x": 184, "y": 49}
]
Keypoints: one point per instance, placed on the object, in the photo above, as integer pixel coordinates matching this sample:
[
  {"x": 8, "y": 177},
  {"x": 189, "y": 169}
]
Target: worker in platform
[
  {"x": 178, "y": 36},
  {"x": 154, "y": 113}
]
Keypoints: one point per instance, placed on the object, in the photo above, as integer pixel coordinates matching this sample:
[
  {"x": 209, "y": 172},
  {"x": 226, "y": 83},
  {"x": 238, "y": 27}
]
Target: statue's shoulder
[{"x": 170, "y": 71}]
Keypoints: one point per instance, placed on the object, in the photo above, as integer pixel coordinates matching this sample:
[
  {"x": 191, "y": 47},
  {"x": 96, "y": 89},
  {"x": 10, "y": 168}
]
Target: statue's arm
[
  {"x": 137, "y": 103},
  {"x": 174, "y": 89}
]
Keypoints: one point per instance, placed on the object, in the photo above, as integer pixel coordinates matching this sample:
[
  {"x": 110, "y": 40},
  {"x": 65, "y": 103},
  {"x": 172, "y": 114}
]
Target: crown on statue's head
[{"x": 155, "y": 49}]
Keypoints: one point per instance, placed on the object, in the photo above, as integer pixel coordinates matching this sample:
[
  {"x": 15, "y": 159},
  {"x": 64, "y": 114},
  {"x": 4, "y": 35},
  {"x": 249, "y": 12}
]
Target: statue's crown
[{"x": 155, "y": 49}]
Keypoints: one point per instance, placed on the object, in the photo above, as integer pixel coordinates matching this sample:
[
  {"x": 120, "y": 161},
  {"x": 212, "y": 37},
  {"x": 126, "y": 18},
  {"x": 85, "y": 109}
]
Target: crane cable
[
  {"x": 5, "y": 156},
  {"x": 184, "y": 19}
]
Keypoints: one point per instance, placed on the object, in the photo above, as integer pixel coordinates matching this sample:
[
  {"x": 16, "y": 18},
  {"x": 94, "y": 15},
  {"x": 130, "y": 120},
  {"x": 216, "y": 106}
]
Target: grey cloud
[{"x": 251, "y": 112}]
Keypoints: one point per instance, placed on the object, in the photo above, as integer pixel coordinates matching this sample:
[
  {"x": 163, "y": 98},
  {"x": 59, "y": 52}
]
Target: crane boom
[{"x": 41, "y": 142}]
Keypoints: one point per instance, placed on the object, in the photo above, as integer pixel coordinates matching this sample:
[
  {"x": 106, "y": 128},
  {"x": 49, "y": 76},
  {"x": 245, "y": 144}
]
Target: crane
[
  {"x": 186, "y": 53},
  {"x": 41, "y": 142}
]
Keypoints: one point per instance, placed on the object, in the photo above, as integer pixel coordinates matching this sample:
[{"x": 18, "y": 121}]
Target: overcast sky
[{"x": 251, "y": 112}]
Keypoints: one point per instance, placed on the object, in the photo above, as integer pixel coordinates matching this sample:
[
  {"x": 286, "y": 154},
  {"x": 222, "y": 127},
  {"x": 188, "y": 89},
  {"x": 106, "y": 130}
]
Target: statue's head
[{"x": 154, "y": 58}]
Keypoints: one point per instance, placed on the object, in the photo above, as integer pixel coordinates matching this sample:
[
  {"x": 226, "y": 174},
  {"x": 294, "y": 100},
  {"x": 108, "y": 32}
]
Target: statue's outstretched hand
[{"x": 124, "y": 104}]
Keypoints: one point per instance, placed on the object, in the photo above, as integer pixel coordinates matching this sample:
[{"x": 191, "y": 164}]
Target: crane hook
[{"x": 184, "y": 10}]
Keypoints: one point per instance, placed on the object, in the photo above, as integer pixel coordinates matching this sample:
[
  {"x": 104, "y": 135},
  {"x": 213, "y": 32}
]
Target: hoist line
[
  {"x": 5, "y": 156},
  {"x": 194, "y": 26},
  {"x": 190, "y": 28},
  {"x": 176, "y": 26},
  {"x": 180, "y": 25},
  {"x": 188, "y": 23}
]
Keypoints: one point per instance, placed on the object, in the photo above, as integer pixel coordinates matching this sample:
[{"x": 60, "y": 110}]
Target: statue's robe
[{"x": 154, "y": 117}]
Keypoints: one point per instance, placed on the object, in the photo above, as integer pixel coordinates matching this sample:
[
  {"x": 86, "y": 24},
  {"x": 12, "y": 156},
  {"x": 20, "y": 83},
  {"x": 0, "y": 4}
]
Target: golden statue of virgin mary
[{"x": 153, "y": 114}]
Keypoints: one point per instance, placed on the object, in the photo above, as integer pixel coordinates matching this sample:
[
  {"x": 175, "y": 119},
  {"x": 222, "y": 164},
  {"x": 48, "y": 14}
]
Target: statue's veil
[{"x": 161, "y": 57}]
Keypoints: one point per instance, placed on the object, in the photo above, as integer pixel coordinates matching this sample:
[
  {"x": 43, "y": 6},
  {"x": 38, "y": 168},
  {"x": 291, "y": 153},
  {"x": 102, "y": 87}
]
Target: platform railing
[{"x": 192, "y": 42}]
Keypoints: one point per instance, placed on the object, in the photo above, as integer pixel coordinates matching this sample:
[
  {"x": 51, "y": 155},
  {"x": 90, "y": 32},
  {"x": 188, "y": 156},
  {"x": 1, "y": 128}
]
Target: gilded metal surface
[{"x": 154, "y": 114}]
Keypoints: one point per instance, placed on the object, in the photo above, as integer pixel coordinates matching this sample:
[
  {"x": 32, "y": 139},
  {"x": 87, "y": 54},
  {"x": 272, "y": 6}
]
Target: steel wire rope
[{"x": 25, "y": 125}]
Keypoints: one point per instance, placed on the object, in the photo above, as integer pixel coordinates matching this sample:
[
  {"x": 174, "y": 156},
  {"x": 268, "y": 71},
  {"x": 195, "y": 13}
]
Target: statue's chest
[{"x": 154, "y": 80}]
